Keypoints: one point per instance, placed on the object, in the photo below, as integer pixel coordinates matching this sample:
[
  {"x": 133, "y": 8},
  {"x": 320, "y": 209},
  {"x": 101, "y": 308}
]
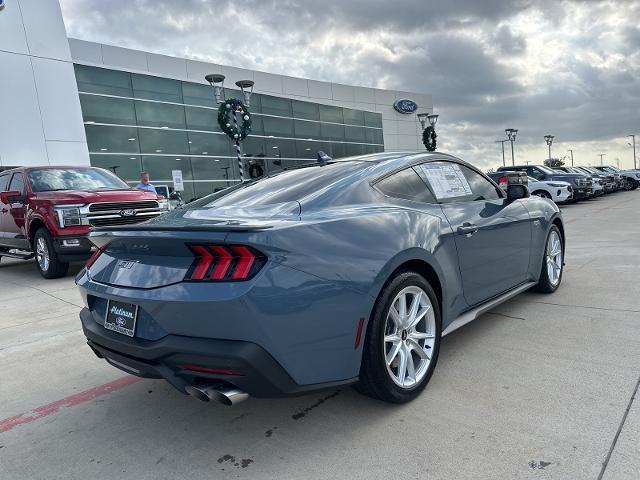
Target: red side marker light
[{"x": 359, "y": 333}]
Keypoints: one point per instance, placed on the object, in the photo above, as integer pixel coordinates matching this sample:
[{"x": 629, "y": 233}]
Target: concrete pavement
[{"x": 540, "y": 388}]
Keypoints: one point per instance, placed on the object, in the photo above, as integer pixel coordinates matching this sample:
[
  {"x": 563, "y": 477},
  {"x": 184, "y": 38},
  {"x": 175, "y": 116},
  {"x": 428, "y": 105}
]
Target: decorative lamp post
[
  {"x": 246, "y": 86},
  {"x": 228, "y": 111},
  {"x": 216, "y": 80},
  {"x": 422, "y": 118},
  {"x": 511, "y": 135},
  {"x": 549, "y": 140},
  {"x": 428, "y": 132},
  {"x": 502, "y": 142}
]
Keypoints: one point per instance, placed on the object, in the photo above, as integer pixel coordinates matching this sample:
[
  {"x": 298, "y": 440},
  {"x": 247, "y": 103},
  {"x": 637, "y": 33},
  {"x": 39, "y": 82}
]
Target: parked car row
[{"x": 571, "y": 184}]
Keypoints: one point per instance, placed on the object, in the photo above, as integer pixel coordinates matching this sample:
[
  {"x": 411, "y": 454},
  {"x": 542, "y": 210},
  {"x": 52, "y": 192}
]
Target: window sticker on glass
[{"x": 446, "y": 180}]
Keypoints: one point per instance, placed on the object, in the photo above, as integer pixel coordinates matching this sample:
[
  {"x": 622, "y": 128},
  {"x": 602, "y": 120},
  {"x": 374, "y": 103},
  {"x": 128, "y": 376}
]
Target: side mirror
[
  {"x": 13, "y": 196},
  {"x": 516, "y": 192}
]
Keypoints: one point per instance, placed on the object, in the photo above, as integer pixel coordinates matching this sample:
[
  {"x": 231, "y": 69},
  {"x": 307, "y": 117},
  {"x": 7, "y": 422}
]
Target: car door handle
[{"x": 467, "y": 229}]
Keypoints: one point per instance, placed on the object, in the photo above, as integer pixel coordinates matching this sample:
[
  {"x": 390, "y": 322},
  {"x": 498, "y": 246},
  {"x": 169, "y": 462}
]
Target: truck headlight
[
  {"x": 163, "y": 204},
  {"x": 68, "y": 217}
]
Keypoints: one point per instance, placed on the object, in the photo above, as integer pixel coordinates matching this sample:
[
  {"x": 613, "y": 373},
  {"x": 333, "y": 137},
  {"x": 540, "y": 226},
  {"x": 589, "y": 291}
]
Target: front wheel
[
  {"x": 552, "y": 263},
  {"x": 403, "y": 340},
  {"x": 47, "y": 260}
]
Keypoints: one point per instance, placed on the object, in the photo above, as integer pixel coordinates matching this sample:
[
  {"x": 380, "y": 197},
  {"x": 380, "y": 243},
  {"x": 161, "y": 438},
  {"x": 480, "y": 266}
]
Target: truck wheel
[
  {"x": 629, "y": 184},
  {"x": 402, "y": 342},
  {"x": 552, "y": 263},
  {"x": 46, "y": 257}
]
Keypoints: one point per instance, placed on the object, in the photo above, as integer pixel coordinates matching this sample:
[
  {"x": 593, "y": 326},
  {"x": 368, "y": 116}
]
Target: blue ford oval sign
[{"x": 405, "y": 106}]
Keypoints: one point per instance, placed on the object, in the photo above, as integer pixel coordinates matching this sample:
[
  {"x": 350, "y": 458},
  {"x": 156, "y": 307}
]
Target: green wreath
[
  {"x": 226, "y": 122},
  {"x": 429, "y": 138}
]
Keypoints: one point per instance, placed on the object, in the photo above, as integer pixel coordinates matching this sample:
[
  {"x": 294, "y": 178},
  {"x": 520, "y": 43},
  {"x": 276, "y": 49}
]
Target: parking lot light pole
[
  {"x": 571, "y": 151},
  {"x": 601, "y": 155},
  {"x": 549, "y": 140},
  {"x": 502, "y": 142},
  {"x": 511, "y": 135},
  {"x": 634, "y": 150}
]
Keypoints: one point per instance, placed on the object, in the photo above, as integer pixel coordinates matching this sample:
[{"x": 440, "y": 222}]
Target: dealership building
[{"x": 66, "y": 101}]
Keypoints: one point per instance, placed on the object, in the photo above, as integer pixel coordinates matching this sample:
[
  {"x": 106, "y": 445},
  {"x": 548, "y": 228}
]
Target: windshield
[
  {"x": 53, "y": 179},
  {"x": 610, "y": 169}
]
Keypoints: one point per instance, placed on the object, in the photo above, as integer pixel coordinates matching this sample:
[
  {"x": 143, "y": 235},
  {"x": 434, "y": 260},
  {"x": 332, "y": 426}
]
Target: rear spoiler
[{"x": 221, "y": 227}]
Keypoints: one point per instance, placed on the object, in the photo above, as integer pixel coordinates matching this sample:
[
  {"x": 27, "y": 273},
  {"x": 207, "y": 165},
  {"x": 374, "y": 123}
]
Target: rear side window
[
  {"x": 3, "y": 183},
  {"x": 453, "y": 182},
  {"x": 406, "y": 184},
  {"x": 17, "y": 183}
]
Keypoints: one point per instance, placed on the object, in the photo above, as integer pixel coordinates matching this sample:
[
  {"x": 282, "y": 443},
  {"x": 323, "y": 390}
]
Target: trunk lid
[{"x": 157, "y": 253}]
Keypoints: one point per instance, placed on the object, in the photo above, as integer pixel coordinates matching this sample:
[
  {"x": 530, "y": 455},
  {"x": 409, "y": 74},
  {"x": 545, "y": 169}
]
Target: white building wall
[
  {"x": 401, "y": 131},
  {"x": 39, "y": 103}
]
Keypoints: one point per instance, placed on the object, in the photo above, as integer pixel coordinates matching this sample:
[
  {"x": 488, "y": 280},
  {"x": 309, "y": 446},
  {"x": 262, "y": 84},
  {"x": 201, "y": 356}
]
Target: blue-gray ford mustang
[{"x": 341, "y": 272}]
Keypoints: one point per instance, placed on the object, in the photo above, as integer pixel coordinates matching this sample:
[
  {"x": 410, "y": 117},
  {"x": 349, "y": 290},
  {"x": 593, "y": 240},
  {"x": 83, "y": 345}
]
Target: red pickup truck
[{"x": 47, "y": 212}]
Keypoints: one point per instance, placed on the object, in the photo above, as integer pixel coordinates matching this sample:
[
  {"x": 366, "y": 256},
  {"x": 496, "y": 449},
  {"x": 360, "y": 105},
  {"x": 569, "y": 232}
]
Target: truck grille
[
  {"x": 117, "y": 206},
  {"x": 108, "y": 222},
  {"x": 122, "y": 213}
]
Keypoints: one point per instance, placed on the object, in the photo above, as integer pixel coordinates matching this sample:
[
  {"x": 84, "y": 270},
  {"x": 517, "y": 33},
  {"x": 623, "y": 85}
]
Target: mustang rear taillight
[{"x": 216, "y": 263}]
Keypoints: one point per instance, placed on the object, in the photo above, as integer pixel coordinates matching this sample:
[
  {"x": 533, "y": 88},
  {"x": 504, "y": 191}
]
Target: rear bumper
[
  {"x": 260, "y": 374},
  {"x": 72, "y": 248}
]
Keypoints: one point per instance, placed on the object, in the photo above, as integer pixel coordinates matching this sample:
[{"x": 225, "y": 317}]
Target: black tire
[
  {"x": 545, "y": 285},
  {"x": 55, "y": 268},
  {"x": 629, "y": 184},
  {"x": 375, "y": 380},
  {"x": 541, "y": 193}
]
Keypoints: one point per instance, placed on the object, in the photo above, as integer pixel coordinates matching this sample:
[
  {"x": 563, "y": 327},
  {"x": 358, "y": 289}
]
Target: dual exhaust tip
[{"x": 225, "y": 394}]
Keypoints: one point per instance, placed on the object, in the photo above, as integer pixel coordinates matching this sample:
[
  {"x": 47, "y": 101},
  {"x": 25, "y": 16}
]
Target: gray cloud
[
  {"x": 508, "y": 42},
  {"x": 565, "y": 67}
]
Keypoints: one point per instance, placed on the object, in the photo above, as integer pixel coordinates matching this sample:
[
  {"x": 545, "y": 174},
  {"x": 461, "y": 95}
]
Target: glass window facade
[{"x": 139, "y": 122}]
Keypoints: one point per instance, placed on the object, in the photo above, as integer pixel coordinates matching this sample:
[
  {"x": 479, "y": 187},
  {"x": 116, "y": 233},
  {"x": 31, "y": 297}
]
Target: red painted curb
[{"x": 70, "y": 401}]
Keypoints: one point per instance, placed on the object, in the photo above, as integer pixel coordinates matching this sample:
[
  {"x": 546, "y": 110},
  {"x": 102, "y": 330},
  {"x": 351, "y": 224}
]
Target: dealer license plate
[{"x": 121, "y": 317}]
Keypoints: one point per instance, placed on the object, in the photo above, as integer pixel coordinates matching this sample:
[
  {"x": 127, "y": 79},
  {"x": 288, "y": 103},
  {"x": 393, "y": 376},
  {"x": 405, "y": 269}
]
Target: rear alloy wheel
[
  {"x": 46, "y": 257},
  {"x": 552, "y": 263},
  {"x": 403, "y": 339}
]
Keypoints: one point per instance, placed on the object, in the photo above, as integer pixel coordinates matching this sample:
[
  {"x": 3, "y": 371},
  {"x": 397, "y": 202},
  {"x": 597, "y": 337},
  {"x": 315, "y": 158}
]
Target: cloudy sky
[{"x": 567, "y": 68}]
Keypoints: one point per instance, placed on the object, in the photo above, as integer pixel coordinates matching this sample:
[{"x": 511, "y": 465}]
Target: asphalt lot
[{"x": 542, "y": 387}]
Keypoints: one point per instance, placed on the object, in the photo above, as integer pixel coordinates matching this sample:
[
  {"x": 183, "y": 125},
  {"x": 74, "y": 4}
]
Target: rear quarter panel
[{"x": 359, "y": 248}]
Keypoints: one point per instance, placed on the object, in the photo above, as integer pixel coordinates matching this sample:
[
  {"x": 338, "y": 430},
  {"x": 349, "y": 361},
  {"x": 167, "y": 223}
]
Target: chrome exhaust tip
[
  {"x": 228, "y": 395},
  {"x": 225, "y": 394}
]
